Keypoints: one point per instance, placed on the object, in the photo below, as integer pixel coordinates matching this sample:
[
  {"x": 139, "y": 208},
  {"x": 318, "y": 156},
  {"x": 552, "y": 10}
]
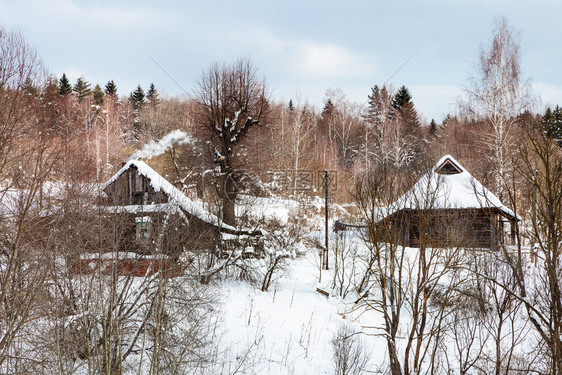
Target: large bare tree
[
  {"x": 538, "y": 287},
  {"x": 233, "y": 99},
  {"x": 28, "y": 154}
]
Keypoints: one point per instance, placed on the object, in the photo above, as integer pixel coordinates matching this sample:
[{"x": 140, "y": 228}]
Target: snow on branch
[
  {"x": 219, "y": 158},
  {"x": 244, "y": 129},
  {"x": 235, "y": 121}
]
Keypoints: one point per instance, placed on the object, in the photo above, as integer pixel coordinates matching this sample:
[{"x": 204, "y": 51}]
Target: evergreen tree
[
  {"x": 111, "y": 89},
  {"x": 552, "y": 122},
  {"x": 65, "y": 88},
  {"x": 372, "y": 110},
  {"x": 402, "y": 98},
  {"x": 403, "y": 104},
  {"x": 98, "y": 95},
  {"x": 433, "y": 129},
  {"x": 137, "y": 98},
  {"x": 152, "y": 96},
  {"x": 82, "y": 89},
  {"x": 328, "y": 110},
  {"x": 380, "y": 108}
]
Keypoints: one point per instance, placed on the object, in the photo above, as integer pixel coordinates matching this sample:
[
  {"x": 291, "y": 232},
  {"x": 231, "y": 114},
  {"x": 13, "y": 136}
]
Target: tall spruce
[
  {"x": 98, "y": 95},
  {"x": 402, "y": 98},
  {"x": 373, "y": 103},
  {"x": 380, "y": 107},
  {"x": 328, "y": 110},
  {"x": 152, "y": 96},
  {"x": 82, "y": 89},
  {"x": 111, "y": 89},
  {"x": 64, "y": 86},
  {"x": 137, "y": 98},
  {"x": 433, "y": 129},
  {"x": 552, "y": 122},
  {"x": 404, "y": 106}
]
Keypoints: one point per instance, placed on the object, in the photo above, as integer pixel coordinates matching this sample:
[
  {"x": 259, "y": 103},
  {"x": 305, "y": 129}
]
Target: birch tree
[{"x": 498, "y": 95}]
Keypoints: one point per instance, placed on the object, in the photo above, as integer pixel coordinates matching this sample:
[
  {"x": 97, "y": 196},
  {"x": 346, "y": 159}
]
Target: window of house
[
  {"x": 448, "y": 167},
  {"x": 143, "y": 228}
]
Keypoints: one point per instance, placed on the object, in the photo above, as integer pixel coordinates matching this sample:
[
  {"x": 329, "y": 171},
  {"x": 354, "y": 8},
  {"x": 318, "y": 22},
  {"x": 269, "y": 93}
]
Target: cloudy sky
[{"x": 302, "y": 47}]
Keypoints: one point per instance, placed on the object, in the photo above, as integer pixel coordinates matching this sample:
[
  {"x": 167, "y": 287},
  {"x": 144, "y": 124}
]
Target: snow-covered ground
[{"x": 289, "y": 330}]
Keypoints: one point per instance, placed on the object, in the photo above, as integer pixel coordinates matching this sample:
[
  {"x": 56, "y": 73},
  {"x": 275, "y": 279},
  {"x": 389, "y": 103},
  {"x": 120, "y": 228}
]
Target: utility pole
[{"x": 325, "y": 253}]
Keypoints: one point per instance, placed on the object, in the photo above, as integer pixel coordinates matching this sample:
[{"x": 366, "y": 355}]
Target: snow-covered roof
[
  {"x": 175, "y": 196},
  {"x": 447, "y": 185}
]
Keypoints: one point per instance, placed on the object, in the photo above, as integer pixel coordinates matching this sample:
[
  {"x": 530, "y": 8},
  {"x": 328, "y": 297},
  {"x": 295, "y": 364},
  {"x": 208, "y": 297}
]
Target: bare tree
[
  {"x": 28, "y": 155},
  {"x": 233, "y": 99},
  {"x": 346, "y": 127},
  {"x": 538, "y": 287}
]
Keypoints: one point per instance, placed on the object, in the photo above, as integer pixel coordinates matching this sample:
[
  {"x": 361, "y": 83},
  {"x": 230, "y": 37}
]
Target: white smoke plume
[{"x": 152, "y": 148}]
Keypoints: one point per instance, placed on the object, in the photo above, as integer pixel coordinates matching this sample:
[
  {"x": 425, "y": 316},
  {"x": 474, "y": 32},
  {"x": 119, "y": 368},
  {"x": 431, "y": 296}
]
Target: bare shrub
[
  {"x": 346, "y": 263},
  {"x": 349, "y": 353}
]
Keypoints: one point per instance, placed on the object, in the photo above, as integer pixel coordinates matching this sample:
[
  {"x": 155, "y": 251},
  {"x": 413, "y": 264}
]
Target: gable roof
[
  {"x": 175, "y": 196},
  {"x": 447, "y": 185}
]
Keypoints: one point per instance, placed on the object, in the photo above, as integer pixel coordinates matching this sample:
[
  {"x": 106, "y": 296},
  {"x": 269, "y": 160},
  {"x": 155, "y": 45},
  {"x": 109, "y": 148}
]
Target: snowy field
[{"x": 289, "y": 329}]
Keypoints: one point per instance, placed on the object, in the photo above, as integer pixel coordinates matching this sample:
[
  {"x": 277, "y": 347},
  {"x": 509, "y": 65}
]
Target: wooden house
[
  {"x": 152, "y": 222},
  {"x": 155, "y": 214},
  {"x": 446, "y": 207}
]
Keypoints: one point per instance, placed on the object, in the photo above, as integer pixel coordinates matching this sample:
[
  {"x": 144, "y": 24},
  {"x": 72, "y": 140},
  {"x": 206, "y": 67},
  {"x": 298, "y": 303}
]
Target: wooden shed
[{"x": 447, "y": 207}]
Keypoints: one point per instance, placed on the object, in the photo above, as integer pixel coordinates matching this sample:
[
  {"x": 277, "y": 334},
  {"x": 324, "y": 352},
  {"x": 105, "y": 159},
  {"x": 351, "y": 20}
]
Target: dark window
[
  {"x": 143, "y": 229},
  {"x": 448, "y": 167}
]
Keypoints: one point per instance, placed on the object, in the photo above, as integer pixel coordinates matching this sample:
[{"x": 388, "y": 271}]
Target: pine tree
[
  {"x": 380, "y": 108},
  {"x": 65, "y": 88},
  {"x": 137, "y": 98},
  {"x": 552, "y": 121},
  {"x": 403, "y": 104},
  {"x": 402, "y": 98},
  {"x": 328, "y": 110},
  {"x": 82, "y": 89},
  {"x": 152, "y": 96},
  {"x": 111, "y": 89},
  {"x": 433, "y": 129},
  {"x": 372, "y": 110},
  {"x": 98, "y": 95}
]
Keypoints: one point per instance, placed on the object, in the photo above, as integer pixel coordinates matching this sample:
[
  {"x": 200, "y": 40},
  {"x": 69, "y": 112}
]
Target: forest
[{"x": 257, "y": 166}]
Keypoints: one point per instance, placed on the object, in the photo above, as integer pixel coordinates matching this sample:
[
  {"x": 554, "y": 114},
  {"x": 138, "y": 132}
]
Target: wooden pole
[{"x": 325, "y": 254}]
